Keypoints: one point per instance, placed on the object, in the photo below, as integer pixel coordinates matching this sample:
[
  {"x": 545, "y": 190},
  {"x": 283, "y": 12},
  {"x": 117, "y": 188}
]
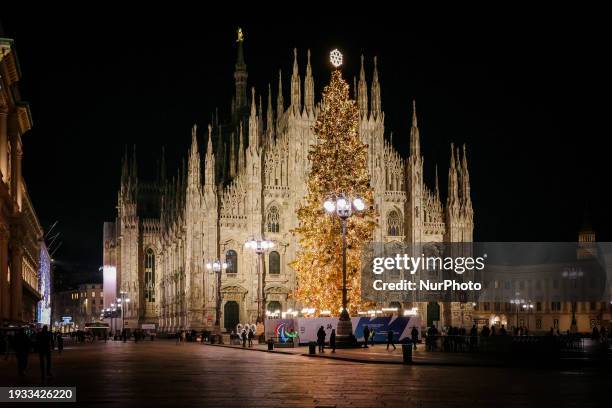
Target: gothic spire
[
  {"x": 241, "y": 152},
  {"x": 232, "y": 157},
  {"x": 453, "y": 191},
  {"x": 309, "y": 87},
  {"x": 269, "y": 114},
  {"x": 415, "y": 142},
  {"x": 209, "y": 161},
  {"x": 437, "y": 185},
  {"x": 465, "y": 180},
  {"x": 280, "y": 103},
  {"x": 363, "y": 91},
  {"x": 134, "y": 174},
  {"x": 193, "y": 169},
  {"x": 296, "y": 95},
  {"x": 253, "y": 123},
  {"x": 125, "y": 168},
  {"x": 240, "y": 75},
  {"x": 375, "y": 95}
]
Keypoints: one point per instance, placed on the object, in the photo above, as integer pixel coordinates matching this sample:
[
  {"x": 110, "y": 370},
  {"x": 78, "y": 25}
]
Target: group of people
[
  {"x": 368, "y": 338},
  {"x": 247, "y": 337},
  {"x": 23, "y": 343}
]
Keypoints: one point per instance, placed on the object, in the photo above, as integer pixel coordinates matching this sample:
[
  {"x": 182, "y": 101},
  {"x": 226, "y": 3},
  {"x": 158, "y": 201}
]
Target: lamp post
[
  {"x": 343, "y": 207},
  {"x": 572, "y": 275},
  {"x": 122, "y": 303},
  {"x": 518, "y": 302},
  {"x": 259, "y": 246},
  {"x": 528, "y": 307},
  {"x": 216, "y": 267}
]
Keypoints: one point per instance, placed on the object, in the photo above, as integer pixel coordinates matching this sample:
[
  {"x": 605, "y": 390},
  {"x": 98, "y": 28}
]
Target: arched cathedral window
[
  {"x": 231, "y": 257},
  {"x": 272, "y": 220},
  {"x": 149, "y": 275},
  {"x": 394, "y": 225},
  {"x": 274, "y": 261}
]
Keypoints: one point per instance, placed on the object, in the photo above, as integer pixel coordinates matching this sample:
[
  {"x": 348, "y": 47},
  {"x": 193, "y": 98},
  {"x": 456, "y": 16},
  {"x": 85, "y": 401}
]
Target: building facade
[
  {"x": 542, "y": 293},
  {"x": 21, "y": 236},
  {"x": 248, "y": 182},
  {"x": 74, "y": 308}
]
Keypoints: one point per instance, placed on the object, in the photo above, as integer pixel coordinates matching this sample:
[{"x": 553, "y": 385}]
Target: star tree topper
[{"x": 336, "y": 58}]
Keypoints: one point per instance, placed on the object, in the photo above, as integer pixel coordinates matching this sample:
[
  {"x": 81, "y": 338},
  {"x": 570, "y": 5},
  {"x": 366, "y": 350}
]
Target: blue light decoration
[
  {"x": 283, "y": 334},
  {"x": 43, "y": 309}
]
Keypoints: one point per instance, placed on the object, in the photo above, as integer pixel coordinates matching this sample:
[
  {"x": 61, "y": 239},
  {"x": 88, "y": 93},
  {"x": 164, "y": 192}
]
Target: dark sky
[{"x": 521, "y": 94}]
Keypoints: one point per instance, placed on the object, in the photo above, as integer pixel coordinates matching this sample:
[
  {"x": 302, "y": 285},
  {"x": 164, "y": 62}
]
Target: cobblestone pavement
[{"x": 163, "y": 373}]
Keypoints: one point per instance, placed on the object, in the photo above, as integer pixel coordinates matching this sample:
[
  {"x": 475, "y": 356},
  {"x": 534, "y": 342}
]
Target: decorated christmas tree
[{"x": 338, "y": 169}]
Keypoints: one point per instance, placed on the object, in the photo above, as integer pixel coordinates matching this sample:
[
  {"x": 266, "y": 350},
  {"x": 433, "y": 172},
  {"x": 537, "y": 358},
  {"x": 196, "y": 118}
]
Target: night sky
[{"x": 520, "y": 94}]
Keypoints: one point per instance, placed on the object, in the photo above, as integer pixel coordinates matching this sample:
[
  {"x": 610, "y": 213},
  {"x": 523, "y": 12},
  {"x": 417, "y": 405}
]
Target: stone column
[
  {"x": 16, "y": 282},
  {"x": 4, "y": 284},
  {"x": 3, "y": 145},
  {"x": 16, "y": 165}
]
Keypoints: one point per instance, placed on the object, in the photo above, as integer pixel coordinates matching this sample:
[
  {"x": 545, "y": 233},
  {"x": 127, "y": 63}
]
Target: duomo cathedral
[{"x": 245, "y": 177}]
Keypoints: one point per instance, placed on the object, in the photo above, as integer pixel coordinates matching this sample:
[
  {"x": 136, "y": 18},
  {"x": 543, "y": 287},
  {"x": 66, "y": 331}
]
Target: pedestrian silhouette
[
  {"x": 332, "y": 340},
  {"x": 43, "y": 344},
  {"x": 251, "y": 336},
  {"x": 321, "y": 339},
  {"x": 414, "y": 334},
  {"x": 244, "y": 336},
  {"x": 21, "y": 345},
  {"x": 366, "y": 336},
  {"x": 390, "y": 340},
  {"x": 60, "y": 343}
]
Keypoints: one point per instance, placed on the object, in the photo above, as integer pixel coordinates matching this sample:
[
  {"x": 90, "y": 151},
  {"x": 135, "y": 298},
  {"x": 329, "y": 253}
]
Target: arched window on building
[
  {"x": 274, "y": 306},
  {"x": 274, "y": 262},
  {"x": 272, "y": 219},
  {"x": 394, "y": 225},
  {"x": 231, "y": 257},
  {"x": 149, "y": 275}
]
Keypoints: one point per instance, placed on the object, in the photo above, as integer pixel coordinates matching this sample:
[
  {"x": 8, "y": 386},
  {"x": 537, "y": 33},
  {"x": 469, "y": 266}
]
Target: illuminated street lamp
[
  {"x": 572, "y": 275},
  {"x": 343, "y": 207},
  {"x": 216, "y": 267},
  {"x": 259, "y": 246},
  {"x": 122, "y": 303},
  {"x": 518, "y": 302}
]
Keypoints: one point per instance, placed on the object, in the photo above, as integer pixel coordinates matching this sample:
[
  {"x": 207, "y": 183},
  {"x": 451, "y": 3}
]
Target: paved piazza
[{"x": 163, "y": 373}]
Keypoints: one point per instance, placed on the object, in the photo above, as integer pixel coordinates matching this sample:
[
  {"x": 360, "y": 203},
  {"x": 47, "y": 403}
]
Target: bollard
[
  {"x": 312, "y": 348},
  {"x": 270, "y": 345},
  {"x": 407, "y": 353}
]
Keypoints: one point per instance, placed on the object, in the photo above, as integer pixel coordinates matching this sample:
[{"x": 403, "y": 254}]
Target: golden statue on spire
[{"x": 240, "y": 35}]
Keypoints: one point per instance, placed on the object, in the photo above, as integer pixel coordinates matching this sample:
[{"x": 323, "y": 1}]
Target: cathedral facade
[{"x": 246, "y": 180}]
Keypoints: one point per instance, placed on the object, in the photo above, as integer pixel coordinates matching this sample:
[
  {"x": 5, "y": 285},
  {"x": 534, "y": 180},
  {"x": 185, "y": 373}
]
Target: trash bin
[
  {"x": 270, "y": 345},
  {"x": 407, "y": 353},
  {"x": 312, "y": 348}
]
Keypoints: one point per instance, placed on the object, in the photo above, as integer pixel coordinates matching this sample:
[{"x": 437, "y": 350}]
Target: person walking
[
  {"x": 372, "y": 334},
  {"x": 390, "y": 340},
  {"x": 366, "y": 336},
  {"x": 251, "y": 336},
  {"x": 414, "y": 334},
  {"x": 21, "y": 345},
  {"x": 244, "y": 336},
  {"x": 43, "y": 344},
  {"x": 473, "y": 337},
  {"x": 321, "y": 339},
  {"x": 332, "y": 340},
  {"x": 60, "y": 343}
]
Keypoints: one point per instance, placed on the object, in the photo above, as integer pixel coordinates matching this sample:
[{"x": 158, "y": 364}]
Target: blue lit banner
[{"x": 303, "y": 330}]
